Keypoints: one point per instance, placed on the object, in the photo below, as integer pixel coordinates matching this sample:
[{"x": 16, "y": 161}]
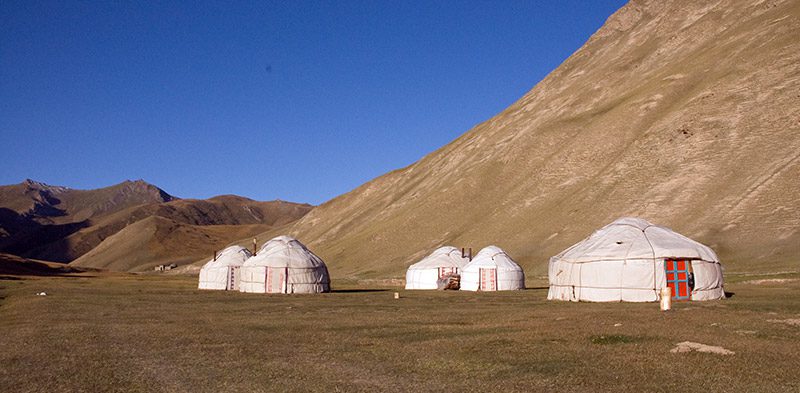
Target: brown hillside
[
  {"x": 222, "y": 210},
  {"x": 57, "y": 204},
  {"x": 156, "y": 240},
  {"x": 33, "y": 214},
  {"x": 61, "y": 224},
  {"x": 686, "y": 113}
]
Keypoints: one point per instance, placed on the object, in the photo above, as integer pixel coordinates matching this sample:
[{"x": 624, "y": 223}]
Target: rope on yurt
[
  {"x": 644, "y": 231},
  {"x": 625, "y": 263}
]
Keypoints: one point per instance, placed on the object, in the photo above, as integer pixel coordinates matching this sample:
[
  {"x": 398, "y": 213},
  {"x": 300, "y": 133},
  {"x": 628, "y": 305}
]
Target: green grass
[{"x": 158, "y": 333}]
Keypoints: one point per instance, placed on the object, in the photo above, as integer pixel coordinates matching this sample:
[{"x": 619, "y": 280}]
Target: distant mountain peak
[
  {"x": 230, "y": 197},
  {"x": 137, "y": 182},
  {"x": 33, "y": 184},
  {"x": 140, "y": 186}
]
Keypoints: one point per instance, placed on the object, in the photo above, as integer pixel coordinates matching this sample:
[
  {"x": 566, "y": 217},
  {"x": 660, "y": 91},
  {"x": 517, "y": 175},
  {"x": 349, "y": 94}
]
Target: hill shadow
[
  {"x": 12, "y": 267},
  {"x": 28, "y": 237},
  {"x": 12, "y": 271}
]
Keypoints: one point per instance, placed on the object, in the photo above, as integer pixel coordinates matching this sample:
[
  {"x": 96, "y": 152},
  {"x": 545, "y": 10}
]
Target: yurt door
[
  {"x": 678, "y": 278},
  {"x": 276, "y": 280},
  {"x": 233, "y": 271},
  {"x": 488, "y": 279}
]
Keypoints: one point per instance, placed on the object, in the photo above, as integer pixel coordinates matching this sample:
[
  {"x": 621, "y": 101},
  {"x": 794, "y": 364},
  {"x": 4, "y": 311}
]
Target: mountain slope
[
  {"x": 33, "y": 213},
  {"x": 683, "y": 113},
  {"x": 60, "y": 224},
  {"x": 156, "y": 240},
  {"x": 227, "y": 210},
  {"x": 57, "y": 204}
]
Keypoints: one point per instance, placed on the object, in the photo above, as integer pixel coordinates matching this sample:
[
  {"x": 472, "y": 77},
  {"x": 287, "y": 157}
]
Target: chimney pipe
[
  {"x": 215, "y": 255},
  {"x": 462, "y": 253},
  {"x": 254, "y": 246},
  {"x": 470, "y": 253}
]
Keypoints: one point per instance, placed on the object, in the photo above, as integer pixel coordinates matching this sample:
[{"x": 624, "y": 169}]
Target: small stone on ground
[{"x": 688, "y": 346}]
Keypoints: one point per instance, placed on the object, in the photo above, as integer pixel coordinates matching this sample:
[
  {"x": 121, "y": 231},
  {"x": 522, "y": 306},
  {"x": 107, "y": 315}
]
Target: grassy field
[{"x": 158, "y": 333}]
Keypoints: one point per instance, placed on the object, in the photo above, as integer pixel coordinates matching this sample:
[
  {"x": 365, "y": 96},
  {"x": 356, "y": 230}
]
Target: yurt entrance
[
  {"x": 276, "y": 280},
  {"x": 233, "y": 272},
  {"x": 488, "y": 279},
  {"x": 679, "y": 278}
]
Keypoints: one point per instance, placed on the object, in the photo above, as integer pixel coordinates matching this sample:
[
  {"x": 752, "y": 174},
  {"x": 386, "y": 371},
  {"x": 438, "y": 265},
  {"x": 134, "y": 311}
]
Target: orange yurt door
[
  {"x": 488, "y": 279},
  {"x": 677, "y": 271}
]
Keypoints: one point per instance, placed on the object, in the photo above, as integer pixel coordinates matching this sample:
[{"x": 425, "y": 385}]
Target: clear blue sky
[{"x": 292, "y": 100}]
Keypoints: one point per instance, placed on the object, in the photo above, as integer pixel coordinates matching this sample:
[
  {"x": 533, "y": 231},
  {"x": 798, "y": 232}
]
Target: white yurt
[
  {"x": 492, "y": 270},
  {"x": 426, "y": 273},
  {"x": 222, "y": 272},
  {"x": 631, "y": 260},
  {"x": 284, "y": 265}
]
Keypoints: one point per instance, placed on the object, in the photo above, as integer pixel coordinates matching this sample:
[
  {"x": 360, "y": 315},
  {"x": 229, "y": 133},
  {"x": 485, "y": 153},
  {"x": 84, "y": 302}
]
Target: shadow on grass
[
  {"x": 535, "y": 288},
  {"x": 729, "y": 294},
  {"x": 358, "y": 290},
  {"x": 614, "y": 339},
  {"x": 15, "y": 266}
]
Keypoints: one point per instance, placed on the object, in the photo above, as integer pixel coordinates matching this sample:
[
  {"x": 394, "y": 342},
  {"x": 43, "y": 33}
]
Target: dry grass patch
[{"x": 158, "y": 333}]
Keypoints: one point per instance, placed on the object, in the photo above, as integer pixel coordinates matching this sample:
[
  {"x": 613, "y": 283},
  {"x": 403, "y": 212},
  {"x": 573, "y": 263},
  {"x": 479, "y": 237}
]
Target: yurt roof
[
  {"x": 231, "y": 256},
  {"x": 285, "y": 251},
  {"x": 442, "y": 257},
  {"x": 493, "y": 256},
  {"x": 635, "y": 238}
]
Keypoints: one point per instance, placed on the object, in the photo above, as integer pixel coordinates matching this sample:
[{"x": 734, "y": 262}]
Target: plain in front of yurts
[
  {"x": 284, "y": 265},
  {"x": 222, "y": 273},
  {"x": 630, "y": 260},
  {"x": 444, "y": 261},
  {"x": 492, "y": 269}
]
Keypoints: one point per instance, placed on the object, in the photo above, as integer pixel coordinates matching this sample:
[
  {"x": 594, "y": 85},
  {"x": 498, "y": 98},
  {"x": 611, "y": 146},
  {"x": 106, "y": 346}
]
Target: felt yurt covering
[
  {"x": 222, "y": 273},
  {"x": 284, "y": 265},
  {"x": 426, "y": 273},
  {"x": 492, "y": 270},
  {"x": 631, "y": 260}
]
